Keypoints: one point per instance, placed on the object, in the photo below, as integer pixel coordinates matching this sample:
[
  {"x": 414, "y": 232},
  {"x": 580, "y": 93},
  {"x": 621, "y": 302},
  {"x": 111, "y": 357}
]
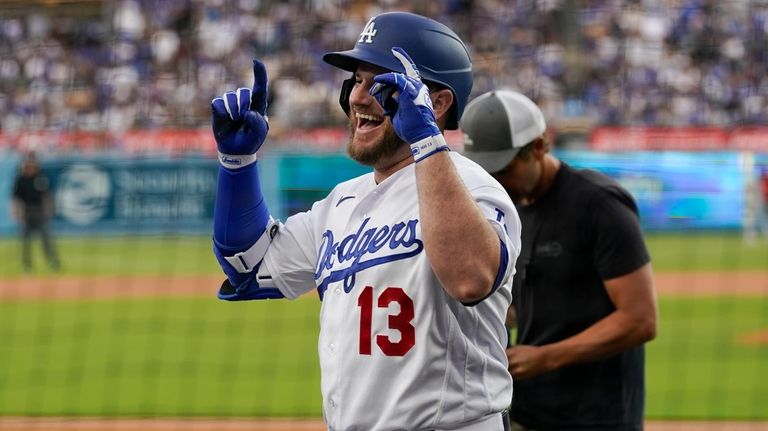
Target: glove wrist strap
[
  {"x": 245, "y": 261},
  {"x": 428, "y": 146},
  {"x": 236, "y": 161}
]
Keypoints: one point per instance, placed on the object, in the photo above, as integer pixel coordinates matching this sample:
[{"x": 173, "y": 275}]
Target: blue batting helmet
[{"x": 440, "y": 55}]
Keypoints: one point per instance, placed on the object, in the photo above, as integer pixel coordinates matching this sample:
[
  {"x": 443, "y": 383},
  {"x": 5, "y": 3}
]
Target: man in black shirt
[
  {"x": 584, "y": 300},
  {"x": 33, "y": 207}
]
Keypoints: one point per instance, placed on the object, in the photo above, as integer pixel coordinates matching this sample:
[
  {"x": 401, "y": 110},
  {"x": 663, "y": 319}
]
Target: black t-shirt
[
  {"x": 584, "y": 230},
  {"x": 32, "y": 191}
]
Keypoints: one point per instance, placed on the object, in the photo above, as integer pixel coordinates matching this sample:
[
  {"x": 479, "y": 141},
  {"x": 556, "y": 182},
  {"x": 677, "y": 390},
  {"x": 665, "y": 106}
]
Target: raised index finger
[
  {"x": 259, "y": 91},
  {"x": 408, "y": 64}
]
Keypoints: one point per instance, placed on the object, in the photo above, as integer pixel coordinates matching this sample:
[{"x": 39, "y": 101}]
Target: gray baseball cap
[{"x": 497, "y": 124}]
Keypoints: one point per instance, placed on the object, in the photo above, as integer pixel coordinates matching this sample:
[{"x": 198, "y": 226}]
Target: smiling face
[{"x": 372, "y": 140}]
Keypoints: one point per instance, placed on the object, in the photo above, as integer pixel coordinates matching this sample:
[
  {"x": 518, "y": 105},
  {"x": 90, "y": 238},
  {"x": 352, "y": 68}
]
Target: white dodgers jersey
[{"x": 396, "y": 351}]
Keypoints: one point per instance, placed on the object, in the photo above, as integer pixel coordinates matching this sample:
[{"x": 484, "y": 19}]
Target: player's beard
[{"x": 387, "y": 146}]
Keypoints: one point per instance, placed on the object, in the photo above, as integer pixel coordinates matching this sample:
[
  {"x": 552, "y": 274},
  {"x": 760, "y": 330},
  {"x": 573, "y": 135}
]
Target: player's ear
[
  {"x": 442, "y": 100},
  {"x": 540, "y": 147}
]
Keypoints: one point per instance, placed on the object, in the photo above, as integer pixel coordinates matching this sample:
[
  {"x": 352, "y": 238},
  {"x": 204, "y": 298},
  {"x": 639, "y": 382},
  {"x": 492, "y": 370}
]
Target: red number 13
[{"x": 400, "y": 322}]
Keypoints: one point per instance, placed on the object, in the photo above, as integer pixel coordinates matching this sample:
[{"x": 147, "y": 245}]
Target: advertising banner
[
  {"x": 105, "y": 195},
  {"x": 111, "y": 195},
  {"x": 9, "y": 167},
  {"x": 676, "y": 190}
]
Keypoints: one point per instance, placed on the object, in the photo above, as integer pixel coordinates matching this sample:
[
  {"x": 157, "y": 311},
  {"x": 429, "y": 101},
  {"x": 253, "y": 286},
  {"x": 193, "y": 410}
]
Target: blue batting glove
[
  {"x": 240, "y": 122},
  {"x": 413, "y": 118}
]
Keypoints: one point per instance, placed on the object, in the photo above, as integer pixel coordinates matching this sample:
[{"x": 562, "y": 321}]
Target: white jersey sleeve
[
  {"x": 496, "y": 206},
  {"x": 290, "y": 257}
]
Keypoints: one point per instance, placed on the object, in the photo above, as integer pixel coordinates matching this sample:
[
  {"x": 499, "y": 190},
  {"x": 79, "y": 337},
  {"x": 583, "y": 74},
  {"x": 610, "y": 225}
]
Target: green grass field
[
  {"x": 119, "y": 255},
  {"x": 162, "y": 357},
  {"x": 203, "y": 357},
  {"x": 698, "y": 369},
  {"x": 200, "y": 357},
  {"x": 698, "y": 251},
  {"x": 192, "y": 255}
]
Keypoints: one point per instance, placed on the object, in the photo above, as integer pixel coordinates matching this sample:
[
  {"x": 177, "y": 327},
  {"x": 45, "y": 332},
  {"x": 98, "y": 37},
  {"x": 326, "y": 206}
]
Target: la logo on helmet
[{"x": 368, "y": 32}]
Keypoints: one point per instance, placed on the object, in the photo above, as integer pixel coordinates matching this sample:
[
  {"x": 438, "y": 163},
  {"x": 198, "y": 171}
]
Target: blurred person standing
[
  {"x": 32, "y": 207},
  {"x": 584, "y": 300},
  {"x": 762, "y": 201},
  {"x": 755, "y": 220}
]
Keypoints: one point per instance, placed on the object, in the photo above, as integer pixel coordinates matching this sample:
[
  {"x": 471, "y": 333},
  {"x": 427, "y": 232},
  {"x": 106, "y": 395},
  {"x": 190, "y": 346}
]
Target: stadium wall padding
[{"x": 175, "y": 195}]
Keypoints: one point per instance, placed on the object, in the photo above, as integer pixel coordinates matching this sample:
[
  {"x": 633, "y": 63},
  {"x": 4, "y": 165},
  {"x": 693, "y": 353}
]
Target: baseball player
[{"x": 412, "y": 262}]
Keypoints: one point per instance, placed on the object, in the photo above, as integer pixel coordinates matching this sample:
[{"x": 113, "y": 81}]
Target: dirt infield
[
  {"x": 744, "y": 283},
  {"x": 739, "y": 283},
  {"x": 67, "y": 287}
]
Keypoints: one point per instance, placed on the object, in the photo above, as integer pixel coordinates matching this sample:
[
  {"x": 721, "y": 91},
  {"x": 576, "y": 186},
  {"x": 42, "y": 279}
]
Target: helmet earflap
[{"x": 346, "y": 91}]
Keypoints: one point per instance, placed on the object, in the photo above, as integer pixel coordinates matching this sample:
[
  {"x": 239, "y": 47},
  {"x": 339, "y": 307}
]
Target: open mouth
[{"x": 368, "y": 121}]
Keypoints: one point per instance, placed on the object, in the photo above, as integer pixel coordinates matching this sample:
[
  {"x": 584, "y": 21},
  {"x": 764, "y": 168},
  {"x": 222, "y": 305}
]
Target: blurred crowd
[{"x": 150, "y": 64}]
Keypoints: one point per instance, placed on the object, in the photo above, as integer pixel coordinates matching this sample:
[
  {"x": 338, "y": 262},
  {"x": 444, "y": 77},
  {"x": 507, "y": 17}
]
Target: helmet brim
[{"x": 348, "y": 60}]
